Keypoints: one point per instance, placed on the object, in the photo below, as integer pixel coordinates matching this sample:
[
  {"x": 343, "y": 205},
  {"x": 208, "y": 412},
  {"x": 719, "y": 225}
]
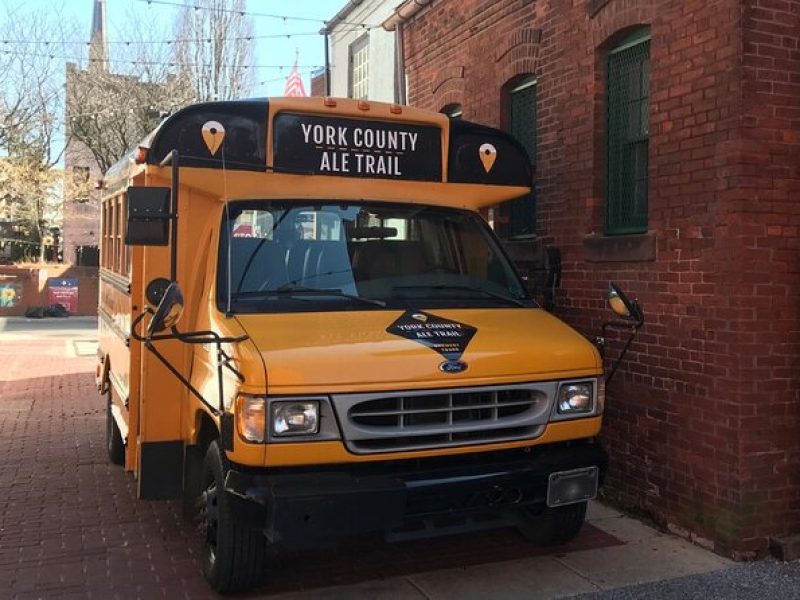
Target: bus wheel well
[{"x": 207, "y": 432}]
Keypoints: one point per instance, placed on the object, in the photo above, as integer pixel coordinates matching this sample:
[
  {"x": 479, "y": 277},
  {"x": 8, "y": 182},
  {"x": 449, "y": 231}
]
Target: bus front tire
[
  {"x": 233, "y": 556},
  {"x": 552, "y": 526},
  {"x": 114, "y": 443}
]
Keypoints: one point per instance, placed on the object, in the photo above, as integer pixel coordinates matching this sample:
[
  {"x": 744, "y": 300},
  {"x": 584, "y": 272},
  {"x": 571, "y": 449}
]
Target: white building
[{"x": 363, "y": 55}]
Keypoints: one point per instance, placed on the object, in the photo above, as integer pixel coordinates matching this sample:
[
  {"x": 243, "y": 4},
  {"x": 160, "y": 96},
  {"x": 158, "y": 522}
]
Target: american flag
[{"x": 294, "y": 83}]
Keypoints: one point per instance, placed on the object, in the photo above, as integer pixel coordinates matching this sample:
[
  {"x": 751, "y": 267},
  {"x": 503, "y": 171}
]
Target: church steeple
[{"x": 98, "y": 50}]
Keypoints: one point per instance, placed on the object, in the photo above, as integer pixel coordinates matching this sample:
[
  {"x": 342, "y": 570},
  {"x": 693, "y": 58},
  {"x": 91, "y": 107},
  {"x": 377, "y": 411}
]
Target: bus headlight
[
  {"x": 251, "y": 418},
  {"x": 575, "y": 398},
  {"x": 295, "y": 417}
]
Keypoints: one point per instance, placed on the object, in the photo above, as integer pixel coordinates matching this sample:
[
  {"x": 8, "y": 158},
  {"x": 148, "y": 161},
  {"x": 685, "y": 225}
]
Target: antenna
[{"x": 228, "y": 234}]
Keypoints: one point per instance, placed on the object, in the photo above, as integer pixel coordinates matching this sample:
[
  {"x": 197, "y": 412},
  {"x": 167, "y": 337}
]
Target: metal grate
[
  {"x": 435, "y": 419},
  {"x": 522, "y": 117},
  {"x": 627, "y": 140}
]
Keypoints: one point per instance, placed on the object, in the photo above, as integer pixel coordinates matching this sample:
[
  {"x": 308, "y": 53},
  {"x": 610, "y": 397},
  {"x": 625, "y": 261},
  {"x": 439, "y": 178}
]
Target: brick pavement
[{"x": 71, "y": 526}]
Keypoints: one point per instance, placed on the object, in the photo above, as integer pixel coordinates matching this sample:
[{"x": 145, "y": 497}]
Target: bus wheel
[
  {"x": 233, "y": 556},
  {"x": 552, "y": 526},
  {"x": 114, "y": 443}
]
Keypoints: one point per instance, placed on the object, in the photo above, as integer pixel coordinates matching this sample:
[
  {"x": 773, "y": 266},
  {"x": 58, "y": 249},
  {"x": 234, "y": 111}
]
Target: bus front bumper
[{"x": 304, "y": 504}]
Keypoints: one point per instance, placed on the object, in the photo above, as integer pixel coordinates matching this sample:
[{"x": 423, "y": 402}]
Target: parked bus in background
[{"x": 308, "y": 330}]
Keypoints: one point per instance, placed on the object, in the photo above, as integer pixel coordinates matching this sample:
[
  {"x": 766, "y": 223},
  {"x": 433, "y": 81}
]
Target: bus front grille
[{"x": 417, "y": 420}]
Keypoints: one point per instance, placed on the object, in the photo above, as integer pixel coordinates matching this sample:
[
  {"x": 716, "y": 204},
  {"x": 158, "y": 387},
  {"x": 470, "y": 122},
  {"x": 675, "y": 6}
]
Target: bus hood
[{"x": 378, "y": 350}]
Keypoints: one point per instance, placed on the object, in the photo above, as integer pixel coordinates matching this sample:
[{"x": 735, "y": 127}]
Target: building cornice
[{"x": 404, "y": 12}]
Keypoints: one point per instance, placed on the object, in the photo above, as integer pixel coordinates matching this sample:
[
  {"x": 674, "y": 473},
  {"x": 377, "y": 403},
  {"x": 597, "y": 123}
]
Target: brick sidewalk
[{"x": 71, "y": 526}]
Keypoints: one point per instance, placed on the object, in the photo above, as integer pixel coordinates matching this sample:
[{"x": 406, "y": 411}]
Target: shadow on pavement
[{"x": 70, "y": 522}]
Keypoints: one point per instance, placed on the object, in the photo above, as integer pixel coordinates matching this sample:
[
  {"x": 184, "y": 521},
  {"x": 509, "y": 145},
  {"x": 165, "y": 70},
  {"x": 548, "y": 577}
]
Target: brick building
[
  {"x": 665, "y": 136},
  {"x": 81, "y": 229}
]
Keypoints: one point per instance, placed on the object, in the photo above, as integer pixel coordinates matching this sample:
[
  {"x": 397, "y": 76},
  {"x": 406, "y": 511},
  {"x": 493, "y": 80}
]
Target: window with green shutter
[
  {"x": 522, "y": 125},
  {"x": 627, "y": 103}
]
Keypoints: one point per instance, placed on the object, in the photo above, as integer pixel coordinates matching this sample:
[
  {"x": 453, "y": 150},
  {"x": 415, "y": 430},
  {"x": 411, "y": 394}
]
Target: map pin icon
[
  {"x": 213, "y": 134},
  {"x": 487, "y": 153}
]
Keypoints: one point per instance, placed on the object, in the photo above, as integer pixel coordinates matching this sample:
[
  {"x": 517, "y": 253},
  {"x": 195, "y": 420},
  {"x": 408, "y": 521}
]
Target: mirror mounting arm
[
  {"x": 192, "y": 337},
  {"x": 634, "y": 329},
  {"x": 634, "y": 319}
]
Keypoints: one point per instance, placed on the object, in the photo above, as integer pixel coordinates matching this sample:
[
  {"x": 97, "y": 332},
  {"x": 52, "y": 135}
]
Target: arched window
[
  {"x": 520, "y": 117},
  {"x": 453, "y": 110},
  {"x": 627, "y": 134}
]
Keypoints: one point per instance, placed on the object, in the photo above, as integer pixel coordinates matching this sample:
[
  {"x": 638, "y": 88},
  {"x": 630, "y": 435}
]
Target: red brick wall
[
  {"x": 318, "y": 85},
  {"x": 27, "y": 287},
  {"x": 81, "y": 226},
  {"x": 703, "y": 419},
  {"x": 766, "y": 278}
]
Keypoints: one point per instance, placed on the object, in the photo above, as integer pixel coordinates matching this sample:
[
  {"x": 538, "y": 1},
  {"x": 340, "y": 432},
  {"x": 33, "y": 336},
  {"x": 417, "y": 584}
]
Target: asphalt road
[{"x": 761, "y": 580}]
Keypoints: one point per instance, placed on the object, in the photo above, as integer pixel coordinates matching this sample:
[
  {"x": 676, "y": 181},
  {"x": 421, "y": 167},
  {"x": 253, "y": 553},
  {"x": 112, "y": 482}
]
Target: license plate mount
[{"x": 573, "y": 486}]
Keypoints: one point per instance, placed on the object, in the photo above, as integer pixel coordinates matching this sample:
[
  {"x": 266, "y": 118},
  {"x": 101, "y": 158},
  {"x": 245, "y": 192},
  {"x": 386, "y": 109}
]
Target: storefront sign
[
  {"x": 63, "y": 291},
  {"x": 357, "y": 148}
]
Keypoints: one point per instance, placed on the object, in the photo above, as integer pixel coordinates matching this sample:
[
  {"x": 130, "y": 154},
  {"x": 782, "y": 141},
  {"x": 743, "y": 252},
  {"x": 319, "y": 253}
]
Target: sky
[{"x": 274, "y": 51}]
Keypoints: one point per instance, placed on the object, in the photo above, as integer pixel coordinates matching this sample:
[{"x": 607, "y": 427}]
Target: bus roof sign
[
  {"x": 327, "y": 145},
  {"x": 286, "y": 137}
]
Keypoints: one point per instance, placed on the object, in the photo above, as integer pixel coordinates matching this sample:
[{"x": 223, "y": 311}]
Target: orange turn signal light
[{"x": 140, "y": 156}]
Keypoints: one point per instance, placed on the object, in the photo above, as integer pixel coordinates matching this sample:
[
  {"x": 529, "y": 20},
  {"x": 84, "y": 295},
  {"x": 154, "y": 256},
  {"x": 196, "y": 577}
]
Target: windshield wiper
[
  {"x": 288, "y": 290},
  {"x": 466, "y": 288}
]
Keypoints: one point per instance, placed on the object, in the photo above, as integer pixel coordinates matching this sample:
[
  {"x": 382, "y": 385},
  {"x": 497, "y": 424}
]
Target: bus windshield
[{"x": 291, "y": 256}]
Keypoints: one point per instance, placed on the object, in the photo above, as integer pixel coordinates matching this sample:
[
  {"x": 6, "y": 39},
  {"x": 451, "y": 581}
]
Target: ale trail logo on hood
[{"x": 448, "y": 338}]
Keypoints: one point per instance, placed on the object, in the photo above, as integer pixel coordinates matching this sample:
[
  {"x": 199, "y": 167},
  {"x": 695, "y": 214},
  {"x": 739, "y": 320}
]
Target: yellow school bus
[{"x": 308, "y": 330}]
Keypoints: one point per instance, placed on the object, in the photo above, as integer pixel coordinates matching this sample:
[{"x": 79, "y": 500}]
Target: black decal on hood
[{"x": 448, "y": 338}]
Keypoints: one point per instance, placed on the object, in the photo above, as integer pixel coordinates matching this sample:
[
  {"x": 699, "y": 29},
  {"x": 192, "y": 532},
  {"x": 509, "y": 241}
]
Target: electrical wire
[
  {"x": 247, "y": 13},
  {"x": 175, "y": 63},
  {"x": 112, "y": 111},
  {"x": 168, "y": 42}
]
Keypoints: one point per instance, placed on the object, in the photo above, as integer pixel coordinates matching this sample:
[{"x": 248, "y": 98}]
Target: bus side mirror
[
  {"x": 169, "y": 309},
  {"x": 148, "y": 216},
  {"x": 623, "y": 306}
]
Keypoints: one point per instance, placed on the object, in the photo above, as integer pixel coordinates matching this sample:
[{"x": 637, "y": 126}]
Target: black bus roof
[{"x": 244, "y": 146}]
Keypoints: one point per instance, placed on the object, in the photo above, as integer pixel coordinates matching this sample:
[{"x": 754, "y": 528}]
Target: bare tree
[
  {"x": 213, "y": 48},
  {"x": 31, "y": 117},
  {"x": 31, "y": 99},
  {"x": 110, "y": 111},
  {"x": 108, "y": 106}
]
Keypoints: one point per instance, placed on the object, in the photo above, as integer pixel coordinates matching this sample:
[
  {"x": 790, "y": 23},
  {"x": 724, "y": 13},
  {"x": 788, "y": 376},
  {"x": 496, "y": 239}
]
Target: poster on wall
[
  {"x": 10, "y": 294},
  {"x": 63, "y": 291}
]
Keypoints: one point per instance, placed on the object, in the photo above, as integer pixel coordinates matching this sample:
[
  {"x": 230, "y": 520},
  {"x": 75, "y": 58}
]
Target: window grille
[{"x": 627, "y": 138}]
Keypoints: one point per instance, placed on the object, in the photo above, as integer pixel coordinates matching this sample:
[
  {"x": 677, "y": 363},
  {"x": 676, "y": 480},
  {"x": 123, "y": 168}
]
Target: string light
[
  {"x": 243, "y": 13},
  {"x": 113, "y": 111},
  {"x": 175, "y": 63},
  {"x": 247, "y": 38}
]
